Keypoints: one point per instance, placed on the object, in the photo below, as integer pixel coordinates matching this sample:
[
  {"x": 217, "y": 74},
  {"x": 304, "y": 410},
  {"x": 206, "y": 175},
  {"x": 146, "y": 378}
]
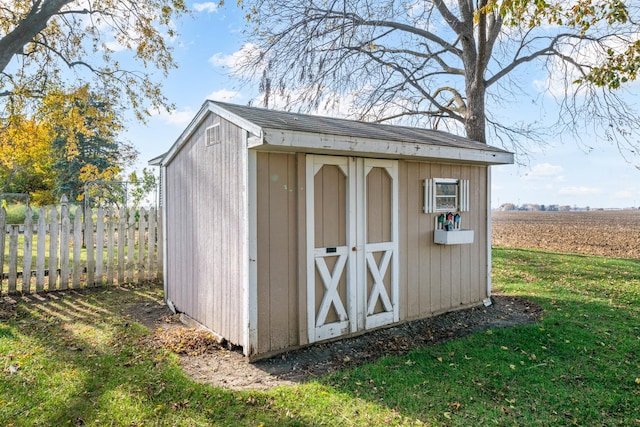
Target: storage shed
[{"x": 286, "y": 229}]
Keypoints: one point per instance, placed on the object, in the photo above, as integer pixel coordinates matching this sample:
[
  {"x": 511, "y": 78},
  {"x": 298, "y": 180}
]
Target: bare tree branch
[
  {"x": 43, "y": 36},
  {"x": 435, "y": 62}
]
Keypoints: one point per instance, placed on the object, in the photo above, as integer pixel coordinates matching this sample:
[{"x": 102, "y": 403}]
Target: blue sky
[{"x": 562, "y": 173}]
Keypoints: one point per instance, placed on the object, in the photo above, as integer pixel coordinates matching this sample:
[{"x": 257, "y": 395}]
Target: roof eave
[
  {"x": 156, "y": 161},
  {"x": 283, "y": 140}
]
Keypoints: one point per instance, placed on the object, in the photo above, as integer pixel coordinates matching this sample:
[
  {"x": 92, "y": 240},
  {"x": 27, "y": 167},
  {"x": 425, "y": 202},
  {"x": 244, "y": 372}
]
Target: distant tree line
[
  {"x": 537, "y": 207},
  {"x": 548, "y": 208}
]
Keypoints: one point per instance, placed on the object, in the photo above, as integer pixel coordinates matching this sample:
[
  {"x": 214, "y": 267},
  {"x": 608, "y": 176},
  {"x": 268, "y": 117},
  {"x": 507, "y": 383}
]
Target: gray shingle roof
[{"x": 273, "y": 119}]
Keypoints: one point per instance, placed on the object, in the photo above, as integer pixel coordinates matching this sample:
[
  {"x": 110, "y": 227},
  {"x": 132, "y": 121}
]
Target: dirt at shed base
[{"x": 209, "y": 362}]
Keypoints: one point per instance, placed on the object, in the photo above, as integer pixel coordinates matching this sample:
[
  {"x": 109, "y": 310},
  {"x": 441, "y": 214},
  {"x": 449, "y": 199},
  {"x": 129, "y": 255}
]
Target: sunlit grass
[{"x": 578, "y": 365}]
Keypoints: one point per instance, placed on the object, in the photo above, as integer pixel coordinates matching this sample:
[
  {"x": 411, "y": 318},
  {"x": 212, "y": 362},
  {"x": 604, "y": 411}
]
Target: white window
[
  {"x": 212, "y": 135},
  {"x": 446, "y": 195}
]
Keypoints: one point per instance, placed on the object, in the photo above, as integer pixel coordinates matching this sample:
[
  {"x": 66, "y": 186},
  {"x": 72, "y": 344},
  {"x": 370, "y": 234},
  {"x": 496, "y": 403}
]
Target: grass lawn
[{"x": 83, "y": 362}]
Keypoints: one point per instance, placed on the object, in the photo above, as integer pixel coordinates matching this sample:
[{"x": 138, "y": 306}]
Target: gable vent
[{"x": 212, "y": 135}]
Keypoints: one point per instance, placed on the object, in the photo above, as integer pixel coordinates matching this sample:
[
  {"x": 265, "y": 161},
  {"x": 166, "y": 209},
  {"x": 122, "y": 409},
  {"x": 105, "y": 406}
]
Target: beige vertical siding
[
  {"x": 433, "y": 278},
  {"x": 277, "y": 223},
  {"x": 437, "y": 278},
  {"x": 206, "y": 214},
  {"x": 301, "y": 161}
]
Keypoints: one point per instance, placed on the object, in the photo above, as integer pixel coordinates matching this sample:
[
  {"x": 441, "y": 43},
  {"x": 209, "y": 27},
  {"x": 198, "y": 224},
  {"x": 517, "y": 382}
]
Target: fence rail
[{"x": 104, "y": 247}]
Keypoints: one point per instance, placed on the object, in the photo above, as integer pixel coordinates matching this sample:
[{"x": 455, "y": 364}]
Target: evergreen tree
[{"x": 88, "y": 154}]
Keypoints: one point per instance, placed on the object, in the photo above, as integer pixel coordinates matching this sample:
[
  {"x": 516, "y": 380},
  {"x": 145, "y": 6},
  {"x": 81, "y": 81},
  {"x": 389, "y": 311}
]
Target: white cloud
[
  {"x": 208, "y": 7},
  {"x": 545, "y": 171},
  {"x": 224, "y": 95},
  {"x": 114, "y": 46},
  {"x": 333, "y": 105},
  {"x": 580, "y": 191},
  {"x": 178, "y": 118},
  {"x": 221, "y": 60},
  {"x": 235, "y": 61}
]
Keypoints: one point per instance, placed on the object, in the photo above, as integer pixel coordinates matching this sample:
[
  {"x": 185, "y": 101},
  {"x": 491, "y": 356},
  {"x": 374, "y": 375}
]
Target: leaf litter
[{"x": 210, "y": 361}]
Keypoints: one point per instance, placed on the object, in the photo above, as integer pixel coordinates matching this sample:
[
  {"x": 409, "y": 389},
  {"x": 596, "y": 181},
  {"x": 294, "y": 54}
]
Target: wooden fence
[{"x": 107, "y": 247}]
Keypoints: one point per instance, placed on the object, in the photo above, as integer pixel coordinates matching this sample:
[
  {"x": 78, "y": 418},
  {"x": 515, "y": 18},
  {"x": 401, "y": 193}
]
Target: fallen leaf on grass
[
  {"x": 179, "y": 404},
  {"x": 187, "y": 341}
]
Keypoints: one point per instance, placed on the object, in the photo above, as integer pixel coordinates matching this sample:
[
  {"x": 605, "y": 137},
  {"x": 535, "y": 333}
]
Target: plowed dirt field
[{"x": 607, "y": 233}]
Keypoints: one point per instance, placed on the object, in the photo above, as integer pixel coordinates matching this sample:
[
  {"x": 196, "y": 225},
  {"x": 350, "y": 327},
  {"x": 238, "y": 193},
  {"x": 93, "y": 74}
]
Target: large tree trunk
[
  {"x": 27, "y": 29},
  {"x": 475, "y": 60},
  {"x": 475, "y": 117}
]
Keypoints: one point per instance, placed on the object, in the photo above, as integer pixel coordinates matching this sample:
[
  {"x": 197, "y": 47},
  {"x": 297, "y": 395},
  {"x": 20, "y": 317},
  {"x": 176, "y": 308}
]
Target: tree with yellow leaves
[
  {"x": 25, "y": 157},
  {"x": 84, "y": 129},
  {"x": 50, "y": 52},
  {"x": 70, "y": 141}
]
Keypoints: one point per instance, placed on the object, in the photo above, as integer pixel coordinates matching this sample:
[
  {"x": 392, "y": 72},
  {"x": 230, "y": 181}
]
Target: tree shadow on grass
[{"x": 83, "y": 361}]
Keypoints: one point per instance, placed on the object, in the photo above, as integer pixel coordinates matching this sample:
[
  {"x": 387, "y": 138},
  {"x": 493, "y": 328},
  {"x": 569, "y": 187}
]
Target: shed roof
[{"x": 286, "y": 131}]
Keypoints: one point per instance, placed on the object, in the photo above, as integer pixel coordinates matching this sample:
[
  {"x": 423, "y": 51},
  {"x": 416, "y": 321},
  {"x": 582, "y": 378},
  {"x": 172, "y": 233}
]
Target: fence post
[
  {"x": 99, "y": 245},
  {"x": 131, "y": 245},
  {"x": 65, "y": 225},
  {"x": 3, "y": 237},
  {"x": 122, "y": 239},
  {"x": 160, "y": 243},
  {"x": 41, "y": 249},
  {"x": 77, "y": 250},
  {"x": 111, "y": 221},
  {"x": 88, "y": 242},
  {"x": 151, "y": 244},
  {"x": 14, "y": 230},
  {"x": 141, "y": 243},
  {"x": 54, "y": 229},
  {"x": 28, "y": 251}
]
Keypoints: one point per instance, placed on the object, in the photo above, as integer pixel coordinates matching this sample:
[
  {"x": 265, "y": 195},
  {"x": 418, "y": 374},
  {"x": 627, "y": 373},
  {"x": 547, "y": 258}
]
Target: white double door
[{"x": 352, "y": 244}]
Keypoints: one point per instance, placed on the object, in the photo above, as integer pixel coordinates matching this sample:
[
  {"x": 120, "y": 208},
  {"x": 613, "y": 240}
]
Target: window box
[{"x": 453, "y": 237}]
